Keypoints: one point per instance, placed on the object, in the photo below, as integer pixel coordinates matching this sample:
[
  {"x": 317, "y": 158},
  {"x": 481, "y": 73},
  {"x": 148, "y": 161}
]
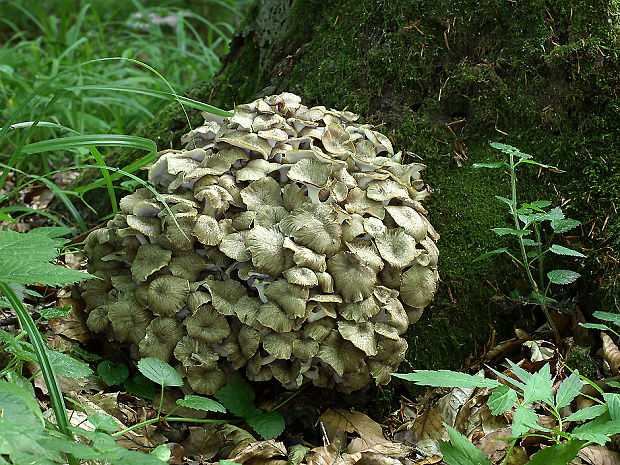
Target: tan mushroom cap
[
  {"x": 129, "y": 201},
  {"x": 207, "y": 325},
  {"x": 354, "y": 279},
  {"x": 397, "y": 247},
  {"x": 246, "y": 310},
  {"x": 265, "y": 191},
  {"x": 206, "y": 230},
  {"x": 387, "y": 190},
  {"x": 98, "y": 320},
  {"x": 319, "y": 329},
  {"x": 167, "y": 295},
  {"x": 234, "y": 246},
  {"x": 293, "y": 197},
  {"x": 205, "y": 380},
  {"x": 411, "y": 221},
  {"x": 196, "y": 299},
  {"x": 266, "y": 247},
  {"x": 146, "y": 225},
  {"x": 256, "y": 169},
  {"x": 418, "y": 286},
  {"x": 301, "y": 276},
  {"x": 129, "y": 320},
  {"x": 95, "y": 292},
  {"x": 278, "y": 345},
  {"x": 272, "y": 316},
  {"x": 162, "y": 335},
  {"x": 314, "y": 226},
  {"x": 187, "y": 265},
  {"x": 243, "y": 220},
  {"x": 305, "y": 257},
  {"x": 288, "y": 373},
  {"x": 247, "y": 140},
  {"x": 392, "y": 321},
  {"x": 290, "y": 297},
  {"x": 361, "y": 335},
  {"x": 249, "y": 340},
  {"x": 337, "y": 141},
  {"x": 340, "y": 354},
  {"x": 360, "y": 311},
  {"x": 191, "y": 352},
  {"x": 354, "y": 380},
  {"x": 257, "y": 368},
  {"x": 225, "y": 295},
  {"x": 305, "y": 348},
  {"x": 325, "y": 281},
  {"x": 310, "y": 171}
]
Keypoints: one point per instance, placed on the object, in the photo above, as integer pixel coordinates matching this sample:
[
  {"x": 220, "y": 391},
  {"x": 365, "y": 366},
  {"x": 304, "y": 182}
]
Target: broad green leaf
[
  {"x": 494, "y": 165},
  {"x": 511, "y": 231},
  {"x": 504, "y": 147},
  {"x": 533, "y": 206},
  {"x": 201, "y": 403},
  {"x": 587, "y": 413},
  {"x": 237, "y": 397},
  {"x": 80, "y": 451},
  {"x": 460, "y": 451},
  {"x": 614, "y": 384},
  {"x": 505, "y": 200},
  {"x": 140, "y": 386},
  {"x": 530, "y": 243},
  {"x": 501, "y": 400},
  {"x": 600, "y": 326},
  {"x": 103, "y": 422},
  {"x": 85, "y": 355},
  {"x": 267, "y": 424},
  {"x": 523, "y": 418},
  {"x": 607, "y": 316},
  {"x": 541, "y": 203},
  {"x": 490, "y": 254},
  {"x": 598, "y": 430},
  {"x": 55, "y": 312},
  {"x": 27, "y": 246},
  {"x": 18, "y": 271},
  {"x": 613, "y": 404},
  {"x": 539, "y": 387},
  {"x": 68, "y": 366},
  {"x": 564, "y": 225},
  {"x": 558, "y": 454},
  {"x": 446, "y": 378},
  {"x": 558, "y": 249},
  {"x": 159, "y": 372},
  {"x": 112, "y": 374},
  {"x": 5, "y": 217},
  {"x": 162, "y": 452},
  {"x": 520, "y": 373},
  {"x": 563, "y": 276},
  {"x": 24, "y": 396},
  {"x": 568, "y": 390},
  {"x": 541, "y": 298},
  {"x": 228, "y": 462}
]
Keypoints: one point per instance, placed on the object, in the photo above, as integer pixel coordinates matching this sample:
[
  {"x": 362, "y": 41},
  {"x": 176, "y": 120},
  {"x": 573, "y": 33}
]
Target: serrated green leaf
[
  {"x": 511, "y": 231},
  {"x": 597, "y": 430},
  {"x": 55, "y": 312},
  {"x": 159, "y": 372},
  {"x": 539, "y": 387},
  {"x": 522, "y": 419},
  {"x": 24, "y": 395},
  {"x": 558, "y": 249},
  {"x": 564, "y": 225},
  {"x": 201, "y": 403},
  {"x": 613, "y": 404},
  {"x": 140, "y": 386},
  {"x": 530, "y": 243},
  {"x": 460, "y": 450},
  {"x": 563, "y": 276},
  {"x": 28, "y": 246},
  {"x": 587, "y": 413},
  {"x": 532, "y": 206},
  {"x": 446, "y": 378},
  {"x": 162, "y": 452},
  {"x": 541, "y": 298},
  {"x": 112, "y": 374},
  {"x": 568, "y": 390},
  {"x": 103, "y": 422},
  {"x": 505, "y": 200},
  {"x": 519, "y": 372},
  {"x": 18, "y": 271},
  {"x": 614, "y": 384},
  {"x": 85, "y": 355},
  {"x": 607, "y": 316},
  {"x": 501, "y": 400},
  {"x": 503, "y": 147},
  {"x": 267, "y": 424},
  {"x": 600, "y": 326},
  {"x": 68, "y": 366},
  {"x": 237, "y": 397},
  {"x": 5, "y": 217},
  {"x": 558, "y": 454},
  {"x": 489, "y": 254}
]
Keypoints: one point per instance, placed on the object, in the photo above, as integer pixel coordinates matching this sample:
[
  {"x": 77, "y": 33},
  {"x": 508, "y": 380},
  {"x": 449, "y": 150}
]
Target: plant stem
[
  {"x": 155, "y": 420},
  {"x": 58, "y": 403},
  {"x": 513, "y": 185}
]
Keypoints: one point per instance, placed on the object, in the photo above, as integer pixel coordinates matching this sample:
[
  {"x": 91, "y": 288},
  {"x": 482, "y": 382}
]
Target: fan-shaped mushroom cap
[
  {"x": 225, "y": 295},
  {"x": 266, "y": 247},
  {"x": 129, "y": 320},
  {"x": 188, "y": 266},
  {"x": 257, "y": 368},
  {"x": 302, "y": 256},
  {"x": 162, "y": 335},
  {"x": 95, "y": 291},
  {"x": 418, "y": 286},
  {"x": 305, "y": 348},
  {"x": 146, "y": 225},
  {"x": 278, "y": 345},
  {"x": 205, "y": 380},
  {"x": 390, "y": 352},
  {"x": 248, "y": 141},
  {"x": 265, "y": 191},
  {"x": 392, "y": 321},
  {"x": 197, "y": 299},
  {"x": 194, "y": 352},
  {"x": 354, "y": 380},
  {"x": 358, "y": 202},
  {"x": 397, "y": 247},
  {"x": 340, "y": 354},
  {"x": 360, "y": 311},
  {"x": 310, "y": 171},
  {"x": 293, "y": 197},
  {"x": 167, "y": 295},
  {"x": 314, "y": 226},
  {"x": 325, "y": 281},
  {"x": 246, "y": 310},
  {"x": 272, "y": 316},
  {"x": 129, "y": 201},
  {"x": 207, "y": 230},
  {"x": 354, "y": 279},
  {"x": 290, "y": 297},
  {"x": 410, "y": 220},
  {"x": 256, "y": 169},
  {"x": 430, "y": 256},
  {"x": 207, "y": 325},
  {"x": 288, "y": 373},
  {"x": 361, "y": 335},
  {"x": 249, "y": 340},
  {"x": 301, "y": 276},
  {"x": 98, "y": 320},
  {"x": 337, "y": 141}
]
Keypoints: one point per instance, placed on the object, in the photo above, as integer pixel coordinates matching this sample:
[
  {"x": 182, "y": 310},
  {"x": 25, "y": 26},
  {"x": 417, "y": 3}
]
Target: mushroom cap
[
  {"x": 272, "y": 316},
  {"x": 129, "y": 320},
  {"x": 301, "y": 276},
  {"x": 207, "y": 230},
  {"x": 314, "y": 226},
  {"x": 410, "y": 220},
  {"x": 397, "y": 247},
  {"x": 290, "y": 297},
  {"x": 418, "y": 286},
  {"x": 162, "y": 335},
  {"x": 194, "y": 352},
  {"x": 167, "y": 295},
  {"x": 354, "y": 279},
  {"x": 361, "y": 335},
  {"x": 278, "y": 345},
  {"x": 146, "y": 225},
  {"x": 265, "y": 191},
  {"x": 98, "y": 320},
  {"x": 225, "y": 295},
  {"x": 266, "y": 247},
  {"x": 340, "y": 354},
  {"x": 187, "y": 266},
  {"x": 207, "y": 325},
  {"x": 360, "y": 312},
  {"x": 205, "y": 380}
]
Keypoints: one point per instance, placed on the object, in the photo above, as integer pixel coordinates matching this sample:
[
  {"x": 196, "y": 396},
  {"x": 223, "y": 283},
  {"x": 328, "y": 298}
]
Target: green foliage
[
  {"x": 159, "y": 372},
  {"x": 112, "y": 374},
  {"x": 603, "y": 418},
  {"x": 529, "y": 219}
]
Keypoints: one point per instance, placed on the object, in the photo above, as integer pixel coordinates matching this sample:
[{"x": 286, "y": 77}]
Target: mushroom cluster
[{"x": 292, "y": 245}]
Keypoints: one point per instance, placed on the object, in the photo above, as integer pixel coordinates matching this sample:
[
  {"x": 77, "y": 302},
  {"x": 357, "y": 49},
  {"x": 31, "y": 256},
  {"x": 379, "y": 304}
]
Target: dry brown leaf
[
  {"x": 374, "y": 458},
  {"x": 450, "y": 404},
  {"x": 258, "y": 450},
  {"x": 73, "y": 326},
  {"x": 339, "y": 422},
  {"x": 428, "y": 429},
  {"x": 325, "y": 455},
  {"x": 392, "y": 449},
  {"x": 599, "y": 455},
  {"x": 201, "y": 442},
  {"x": 177, "y": 453},
  {"x": 424, "y": 461},
  {"x": 611, "y": 353}
]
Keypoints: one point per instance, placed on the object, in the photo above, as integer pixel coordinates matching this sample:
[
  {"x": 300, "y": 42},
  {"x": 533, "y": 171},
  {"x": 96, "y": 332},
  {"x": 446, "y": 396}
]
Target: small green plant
[
  {"x": 528, "y": 219},
  {"x": 605, "y": 316},
  {"x": 524, "y": 391}
]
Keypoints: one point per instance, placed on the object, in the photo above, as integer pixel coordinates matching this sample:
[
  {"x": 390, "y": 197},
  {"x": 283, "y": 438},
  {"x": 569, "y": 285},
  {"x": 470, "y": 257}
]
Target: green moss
[{"x": 579, "y": 359}]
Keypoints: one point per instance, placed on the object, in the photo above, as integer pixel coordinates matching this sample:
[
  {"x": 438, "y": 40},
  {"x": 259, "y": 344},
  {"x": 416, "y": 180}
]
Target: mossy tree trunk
[{"x": 443, "y": 78}]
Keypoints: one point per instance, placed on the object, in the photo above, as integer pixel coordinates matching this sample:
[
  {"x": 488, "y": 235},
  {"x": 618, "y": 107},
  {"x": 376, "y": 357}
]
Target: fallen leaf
[
  {"x": 258, "y": 449},
  {"x": 611, "y": 353},
  {"x": 339, "y": 422},
  {"x": 599, "y": 455}
]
